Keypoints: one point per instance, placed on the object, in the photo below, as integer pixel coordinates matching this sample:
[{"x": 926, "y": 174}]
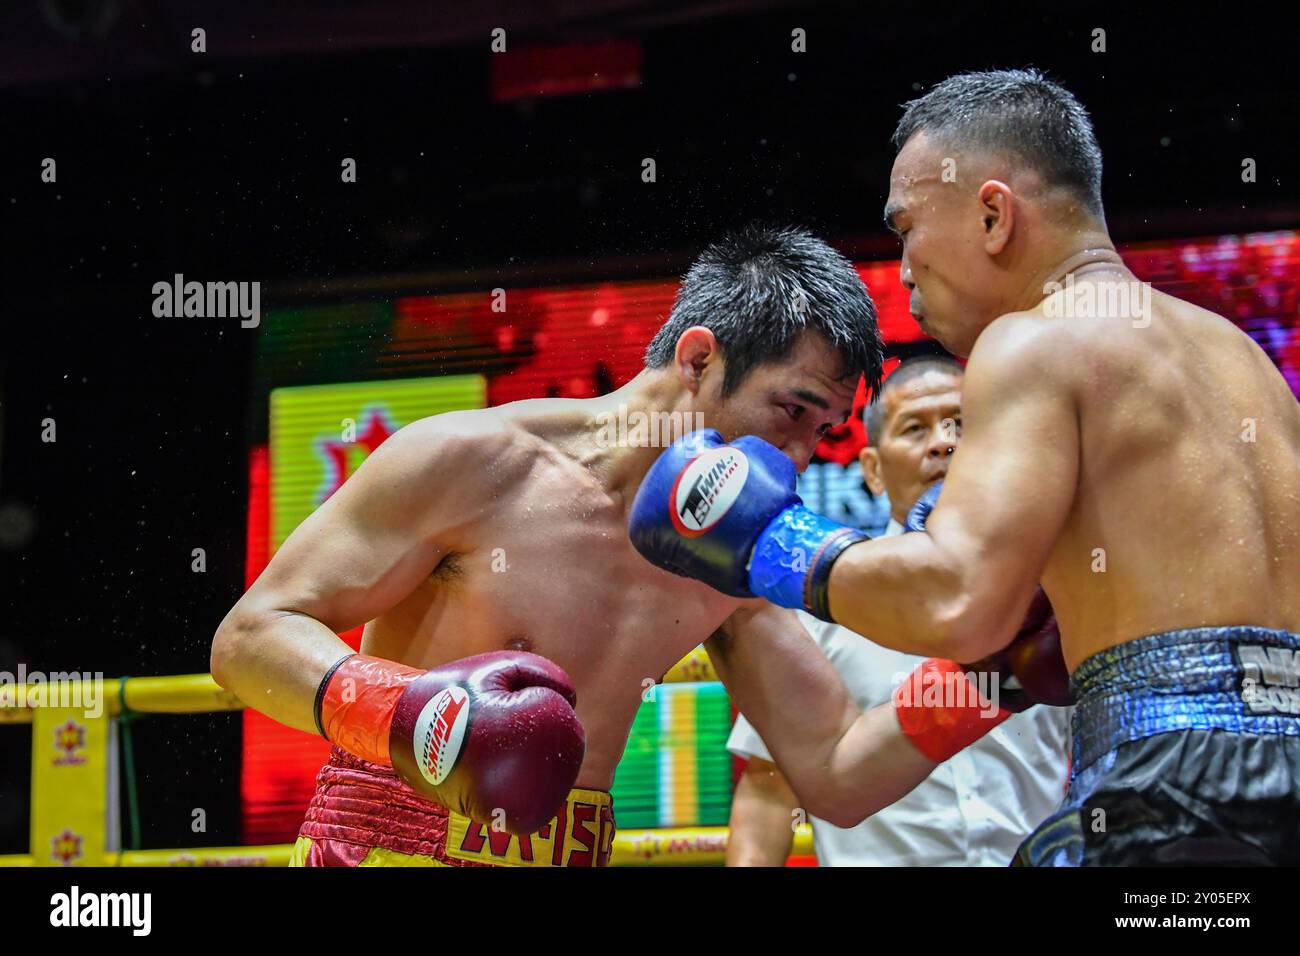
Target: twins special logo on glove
[
  {"x": 706, "y": 489},
  {"x": 439, "y": 731}
]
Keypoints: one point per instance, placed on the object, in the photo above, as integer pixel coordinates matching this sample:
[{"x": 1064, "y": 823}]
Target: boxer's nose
[{"x": 800, "y": 454}]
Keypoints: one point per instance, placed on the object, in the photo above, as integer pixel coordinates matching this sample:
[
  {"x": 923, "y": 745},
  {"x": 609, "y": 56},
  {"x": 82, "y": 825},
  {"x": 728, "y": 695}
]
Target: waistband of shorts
[
  {"x": 1239, "y": 679},
  {"x": 368, "y": 804}
]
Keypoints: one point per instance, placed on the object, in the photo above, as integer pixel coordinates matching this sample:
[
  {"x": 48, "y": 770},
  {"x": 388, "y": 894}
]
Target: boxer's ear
[
  {"x": 869, "y": 460},
  {"x": 697, "y": 349},
  {"x": 997, "y": 207}
]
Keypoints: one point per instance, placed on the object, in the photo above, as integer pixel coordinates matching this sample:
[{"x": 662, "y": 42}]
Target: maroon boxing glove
[
  {"x": 493, "y": 737},
  {"x": 1034, "y": 659},
  {"x": 1030, "y": 670}
]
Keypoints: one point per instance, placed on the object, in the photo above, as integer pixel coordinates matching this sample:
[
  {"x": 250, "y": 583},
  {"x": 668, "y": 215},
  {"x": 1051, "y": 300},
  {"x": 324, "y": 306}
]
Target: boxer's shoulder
[
  {"x": 482, "y": 443},
  {"x": 1031, "y": 329},
  {"x": 1026, "y": 348},
  {"x": 547, "y": 420}
]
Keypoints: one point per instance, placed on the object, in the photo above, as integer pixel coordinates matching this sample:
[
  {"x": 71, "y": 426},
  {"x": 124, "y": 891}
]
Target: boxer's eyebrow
[
  {"x": 892, "y": 210},
  {"x": 812, "y": 398}
]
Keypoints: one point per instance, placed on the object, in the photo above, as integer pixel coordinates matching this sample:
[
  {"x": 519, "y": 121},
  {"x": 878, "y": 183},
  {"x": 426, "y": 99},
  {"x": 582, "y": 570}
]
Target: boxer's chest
[{"x": 551, "y": 570}]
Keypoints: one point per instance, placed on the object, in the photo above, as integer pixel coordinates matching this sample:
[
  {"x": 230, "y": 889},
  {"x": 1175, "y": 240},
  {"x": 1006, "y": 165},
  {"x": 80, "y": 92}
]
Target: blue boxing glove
[
  {"x": 727, "y": 515},
  {"x": 920, "y": 512}
]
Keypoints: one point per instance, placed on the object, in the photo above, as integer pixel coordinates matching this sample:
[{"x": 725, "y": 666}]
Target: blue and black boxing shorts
[{"x": 1186, "y": 752}]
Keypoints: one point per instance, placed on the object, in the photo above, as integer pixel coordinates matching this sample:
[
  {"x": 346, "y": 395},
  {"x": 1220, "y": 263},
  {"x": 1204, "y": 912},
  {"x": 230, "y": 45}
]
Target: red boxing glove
[
  {"x": 942, "y": 711},
  {"x": 944, "y": 723},
  {"x": 487, "y": 735}
]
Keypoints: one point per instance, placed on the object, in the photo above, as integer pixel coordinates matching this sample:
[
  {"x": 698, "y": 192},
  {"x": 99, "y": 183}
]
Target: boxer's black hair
[
  {"x": 758, "y": 288},
  {"x": 873, "y": 416},
  {"x": 1019, "y": 113}
]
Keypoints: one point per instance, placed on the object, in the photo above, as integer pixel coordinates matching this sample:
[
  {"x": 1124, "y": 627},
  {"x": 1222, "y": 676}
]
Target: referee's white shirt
[{"x": 974, "y": 810}]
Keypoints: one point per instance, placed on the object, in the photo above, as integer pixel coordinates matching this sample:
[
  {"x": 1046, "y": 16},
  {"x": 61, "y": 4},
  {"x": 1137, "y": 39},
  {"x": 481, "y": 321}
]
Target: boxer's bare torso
[
  {"x": 1186, "y": 510},
  {"x": 1145, "y": 468},
  {"x": 486, "y": 530},
  {"x": 1142, "y": 461},
  {"x": 539, "y": 560},
  {"x": 505, "y": 529}
]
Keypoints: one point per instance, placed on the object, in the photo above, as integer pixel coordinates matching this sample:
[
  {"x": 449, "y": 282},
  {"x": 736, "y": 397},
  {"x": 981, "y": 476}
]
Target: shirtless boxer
[
  {"x": 978, "y": 807},
  {"x": 486, "y": 552},
  {"x": 1139, "y": 455},
  {"x": 975, "y": 809}
]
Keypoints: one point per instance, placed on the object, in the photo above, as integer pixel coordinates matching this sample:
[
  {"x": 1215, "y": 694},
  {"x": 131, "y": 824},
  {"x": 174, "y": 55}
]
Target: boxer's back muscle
[
  {"x": 545, "y": 565},
  {"x": 1187, "y": 511}
]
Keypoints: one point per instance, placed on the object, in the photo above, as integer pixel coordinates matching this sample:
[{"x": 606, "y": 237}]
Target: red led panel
[{"x": 529, "y": 71}]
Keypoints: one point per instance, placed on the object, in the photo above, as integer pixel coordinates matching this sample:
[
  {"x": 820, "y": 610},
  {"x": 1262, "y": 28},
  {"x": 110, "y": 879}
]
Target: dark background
[{"x": 225, "y": 165}]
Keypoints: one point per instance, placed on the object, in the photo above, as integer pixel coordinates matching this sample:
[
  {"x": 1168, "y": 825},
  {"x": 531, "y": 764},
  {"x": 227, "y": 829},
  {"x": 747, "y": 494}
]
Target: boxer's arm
[
  {"x": 359, "y": 554},
  {"x": 959, "y": 590},
  {"x": 843, "y": 764},
  {"x": 762, "y": 810}
]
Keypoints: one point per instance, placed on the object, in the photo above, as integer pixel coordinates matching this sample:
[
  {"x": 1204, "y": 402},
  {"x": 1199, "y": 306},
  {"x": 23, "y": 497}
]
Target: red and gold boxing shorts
[{"x": 363, "y": 814}]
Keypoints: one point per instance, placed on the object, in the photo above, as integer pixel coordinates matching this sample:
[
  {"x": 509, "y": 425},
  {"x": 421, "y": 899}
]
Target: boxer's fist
[
  {"x": 1033, "y": 658},
  {"x": 490, "y": 735},
  {"x": 728, "y": 515},
  {"x": 494, "y": 736},
  {"x": 704, "y": 503}
]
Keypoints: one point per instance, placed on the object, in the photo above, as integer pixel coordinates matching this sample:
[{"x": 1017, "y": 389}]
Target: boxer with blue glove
[{"x": 726, "y": 513}]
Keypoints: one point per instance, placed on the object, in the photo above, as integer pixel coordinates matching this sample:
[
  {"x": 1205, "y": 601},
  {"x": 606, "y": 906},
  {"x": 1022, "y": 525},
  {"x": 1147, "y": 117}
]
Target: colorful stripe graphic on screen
[{"x": 676, "y": 770}]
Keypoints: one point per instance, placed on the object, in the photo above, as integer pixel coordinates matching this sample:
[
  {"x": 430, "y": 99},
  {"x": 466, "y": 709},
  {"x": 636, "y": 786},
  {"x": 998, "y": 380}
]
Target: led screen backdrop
[
  {"x": 331, "y": 381},
  {"x": 319, "y": 435}
]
